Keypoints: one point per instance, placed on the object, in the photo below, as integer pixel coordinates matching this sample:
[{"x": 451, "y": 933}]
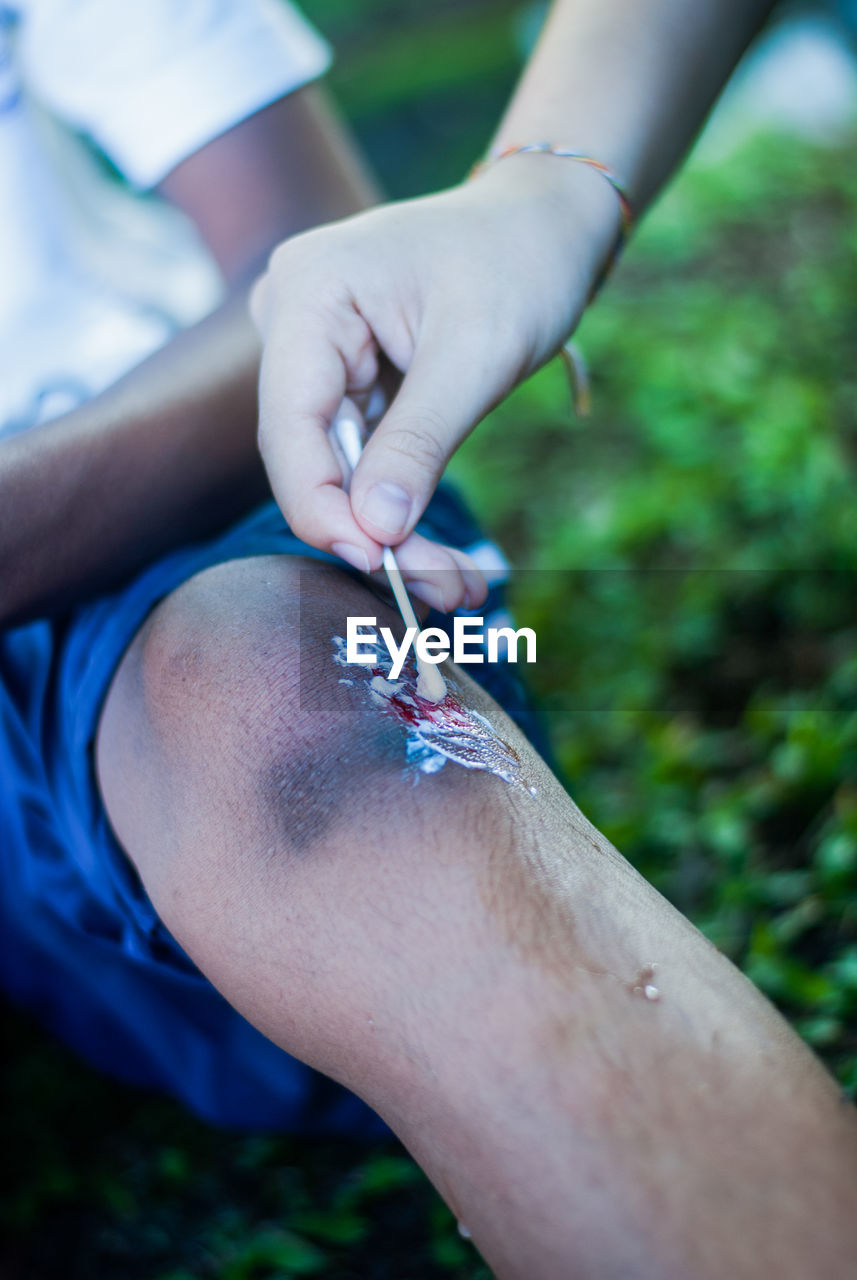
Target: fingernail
[
  {"x": 355, "y": 556},
  {"x": 387, "y": 506},
  {"x": 429, "y": 592}
]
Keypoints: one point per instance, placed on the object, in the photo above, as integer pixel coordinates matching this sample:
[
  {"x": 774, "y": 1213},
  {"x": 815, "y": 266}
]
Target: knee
[
  {"x": 237, "y": 674},
  {"x": 231, "y": 708},
  {"x": 217, "y": 666}
]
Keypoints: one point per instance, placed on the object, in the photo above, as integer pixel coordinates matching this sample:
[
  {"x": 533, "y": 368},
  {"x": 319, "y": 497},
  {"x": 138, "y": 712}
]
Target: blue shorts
[{"x": 80, "y": 943}]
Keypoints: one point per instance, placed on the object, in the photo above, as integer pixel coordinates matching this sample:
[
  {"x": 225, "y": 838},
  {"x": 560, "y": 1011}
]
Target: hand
[{"x": 464, "y": 293}]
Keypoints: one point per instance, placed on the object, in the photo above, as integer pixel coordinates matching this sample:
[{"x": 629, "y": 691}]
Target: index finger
[{"x": 311, "y": 358}]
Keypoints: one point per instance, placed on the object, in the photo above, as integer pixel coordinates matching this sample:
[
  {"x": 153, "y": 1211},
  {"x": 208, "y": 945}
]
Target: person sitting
[{"x": 218, "y": 851}]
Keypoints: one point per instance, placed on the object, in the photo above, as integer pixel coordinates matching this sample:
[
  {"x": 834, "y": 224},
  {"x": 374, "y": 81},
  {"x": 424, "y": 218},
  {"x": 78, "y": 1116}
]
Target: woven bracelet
[
  {"x": 626, "y": 209},
  {"x": 572, "y": 357}
]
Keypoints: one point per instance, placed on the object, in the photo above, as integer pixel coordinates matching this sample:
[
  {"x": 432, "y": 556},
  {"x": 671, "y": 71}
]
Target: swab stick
[{"x": 347, "y": 428}]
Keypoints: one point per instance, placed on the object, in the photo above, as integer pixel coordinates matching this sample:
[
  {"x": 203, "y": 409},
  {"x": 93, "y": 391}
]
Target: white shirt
[{"x": 92, "y": 277}]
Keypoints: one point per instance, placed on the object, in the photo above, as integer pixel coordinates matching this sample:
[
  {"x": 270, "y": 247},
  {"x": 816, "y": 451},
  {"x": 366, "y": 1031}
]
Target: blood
[{"x": 438, "y": 732}]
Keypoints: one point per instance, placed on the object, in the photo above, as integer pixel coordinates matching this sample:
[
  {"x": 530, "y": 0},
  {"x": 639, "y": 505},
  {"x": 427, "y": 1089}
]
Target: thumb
[{"x": 439, "y": 402}]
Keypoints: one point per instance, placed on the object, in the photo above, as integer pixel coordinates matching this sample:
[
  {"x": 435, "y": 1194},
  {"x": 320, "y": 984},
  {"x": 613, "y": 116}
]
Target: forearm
[
  {"x": 628, "y": 83},
  {"x": 169, "y": 452}
]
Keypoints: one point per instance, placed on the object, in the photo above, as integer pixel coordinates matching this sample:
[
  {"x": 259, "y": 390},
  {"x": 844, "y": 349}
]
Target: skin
[{"x": 469, "y": 959}]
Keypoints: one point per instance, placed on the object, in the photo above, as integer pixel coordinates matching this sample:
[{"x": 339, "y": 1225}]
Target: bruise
[
  {"x": 303, "y": 794},
  {"x": 347, "y": 777},
  {"x": 350, "y": 759},
  {"x": 338, "y": 779}
]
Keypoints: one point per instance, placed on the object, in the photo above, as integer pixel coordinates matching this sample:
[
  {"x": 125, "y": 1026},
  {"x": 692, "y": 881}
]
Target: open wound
[{"x": 435, "y": 732}]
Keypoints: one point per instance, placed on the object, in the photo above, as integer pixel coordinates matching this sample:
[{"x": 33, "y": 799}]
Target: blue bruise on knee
[{"x": 80, "y": 943}]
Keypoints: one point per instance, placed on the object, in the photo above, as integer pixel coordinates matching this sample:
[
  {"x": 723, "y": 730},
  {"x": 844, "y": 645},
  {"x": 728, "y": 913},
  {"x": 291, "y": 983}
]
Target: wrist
[{"x": 567, "y": 205}]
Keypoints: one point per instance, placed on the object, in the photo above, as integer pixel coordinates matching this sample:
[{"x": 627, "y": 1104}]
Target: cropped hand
[{"x": 464, "y": 293}]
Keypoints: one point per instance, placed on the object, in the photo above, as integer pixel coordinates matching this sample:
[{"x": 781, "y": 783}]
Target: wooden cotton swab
[{"x": 347, "y": 430}]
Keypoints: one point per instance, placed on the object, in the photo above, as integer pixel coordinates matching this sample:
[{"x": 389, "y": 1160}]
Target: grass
[{"x": 689, "y": 565}]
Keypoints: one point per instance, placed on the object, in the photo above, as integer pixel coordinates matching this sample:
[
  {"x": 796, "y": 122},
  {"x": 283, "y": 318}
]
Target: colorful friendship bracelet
[
  {"x": 626, "y": 209},
  {"x": 572, "y": 357}
]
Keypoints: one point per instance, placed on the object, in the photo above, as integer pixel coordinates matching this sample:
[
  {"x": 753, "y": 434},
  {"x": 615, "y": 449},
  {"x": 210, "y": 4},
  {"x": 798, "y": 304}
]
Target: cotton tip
[
  {"x": 347, "y": 432},
  {"x": 430, "y": 683}
]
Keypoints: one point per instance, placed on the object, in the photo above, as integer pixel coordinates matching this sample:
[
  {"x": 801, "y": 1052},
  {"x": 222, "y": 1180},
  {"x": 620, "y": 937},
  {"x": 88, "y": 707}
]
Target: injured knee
[{"x": 250, "y": 706}]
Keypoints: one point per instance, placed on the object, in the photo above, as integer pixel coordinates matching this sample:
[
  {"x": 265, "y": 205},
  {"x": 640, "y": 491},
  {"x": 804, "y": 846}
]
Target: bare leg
[{"x": 470, "y": 960}]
